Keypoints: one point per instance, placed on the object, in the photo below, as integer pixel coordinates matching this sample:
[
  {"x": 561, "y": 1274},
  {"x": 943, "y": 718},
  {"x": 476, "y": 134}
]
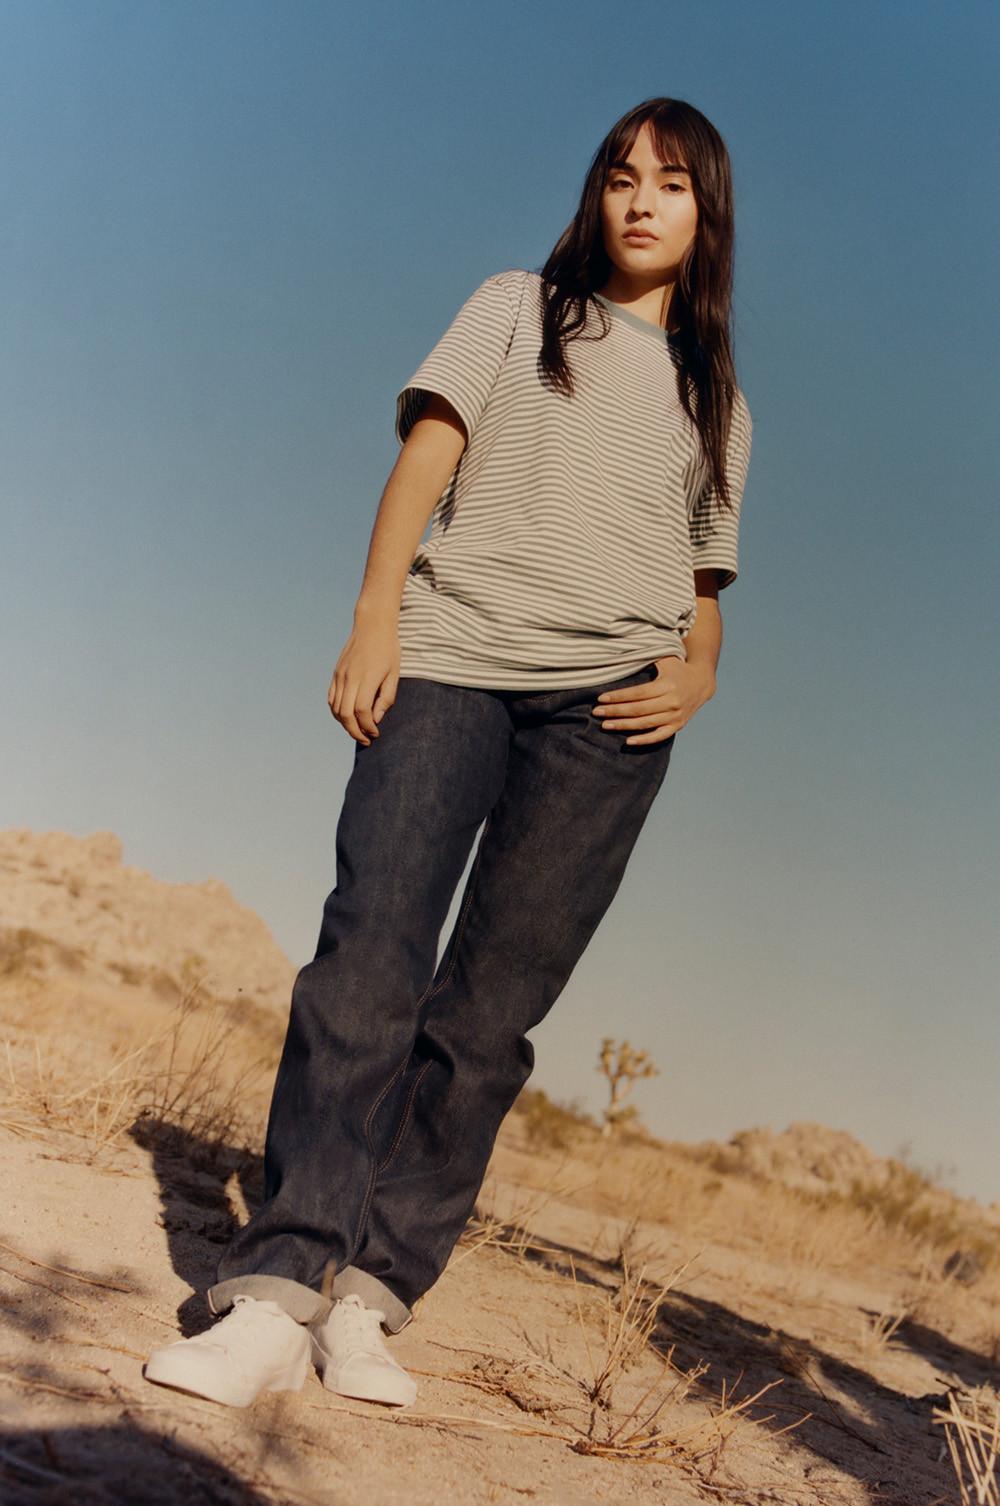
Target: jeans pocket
[{"x": 613, "y": 740}]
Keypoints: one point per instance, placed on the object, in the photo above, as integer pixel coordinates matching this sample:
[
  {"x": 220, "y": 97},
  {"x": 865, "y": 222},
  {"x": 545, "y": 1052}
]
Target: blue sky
[{"x": 231, "y": 232}]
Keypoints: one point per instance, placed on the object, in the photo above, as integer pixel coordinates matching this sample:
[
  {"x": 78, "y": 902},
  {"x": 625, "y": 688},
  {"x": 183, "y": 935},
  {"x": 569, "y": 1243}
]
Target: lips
[{"x": 639, "y": 236}]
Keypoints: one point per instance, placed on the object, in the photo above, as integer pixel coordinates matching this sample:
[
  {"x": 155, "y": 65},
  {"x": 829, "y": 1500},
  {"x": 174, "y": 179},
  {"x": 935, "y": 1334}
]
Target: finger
[
  {"x": 631, "y": 723},
  {"x": 386, "y": 695},
  {"x": 355, "y": 713},
  {"x": 363, "y": 712},
  {"x": 634, "y": 703},
  {"x": 349, "y": 721},
  {"x": 659, "y": 735},
  {"x": 630, "y": 693}
]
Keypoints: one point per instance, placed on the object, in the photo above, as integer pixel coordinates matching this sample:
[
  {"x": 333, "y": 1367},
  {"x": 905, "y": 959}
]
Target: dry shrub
[
  {"x": 26, "y": 953},
  {"x": 550, "y": 1124},
  {"x": 630, "y": 1247},
  {"x": 908, "y": 1201},
  {"x": 576, "y": 1378},
  {"x": 185, "y": 1076}
]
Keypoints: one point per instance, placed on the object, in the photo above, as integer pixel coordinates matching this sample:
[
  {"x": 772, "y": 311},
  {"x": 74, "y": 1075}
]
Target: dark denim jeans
[{"x": 394, "y": 1079}]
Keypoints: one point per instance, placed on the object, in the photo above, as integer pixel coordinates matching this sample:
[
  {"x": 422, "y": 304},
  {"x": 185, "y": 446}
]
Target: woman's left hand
[{"x": 662, "y": 706}]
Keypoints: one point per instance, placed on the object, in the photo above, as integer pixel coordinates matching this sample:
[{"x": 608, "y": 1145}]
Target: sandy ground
[{"x": 754, "y": 1298}]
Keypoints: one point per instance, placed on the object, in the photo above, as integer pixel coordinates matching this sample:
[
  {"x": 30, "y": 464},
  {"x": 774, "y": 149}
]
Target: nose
[{"x": 642, "y": 200}]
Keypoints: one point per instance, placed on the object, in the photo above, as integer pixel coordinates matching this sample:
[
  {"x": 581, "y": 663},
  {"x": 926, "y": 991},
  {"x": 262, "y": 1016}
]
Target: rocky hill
[{"x": 106, "y": 947}]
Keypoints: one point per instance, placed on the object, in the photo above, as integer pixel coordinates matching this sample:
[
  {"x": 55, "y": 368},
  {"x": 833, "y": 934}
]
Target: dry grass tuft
[
  {"x": 879, "y": 1329},
  {"x": 512, "y": 1233},
  {"x": 972, "y": 1428},
  {"x": 180, "y": 1077}
]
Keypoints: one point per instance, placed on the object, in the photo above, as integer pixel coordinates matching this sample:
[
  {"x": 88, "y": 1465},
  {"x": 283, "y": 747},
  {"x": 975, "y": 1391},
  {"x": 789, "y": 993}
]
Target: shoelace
[
  {"x": 240, "y": 1324},
  {"x": 360, "y": 1324}
]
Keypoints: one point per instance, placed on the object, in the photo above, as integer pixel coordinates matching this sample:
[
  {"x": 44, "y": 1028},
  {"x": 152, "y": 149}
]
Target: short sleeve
[
  {"x": 714, "y": 528},
  {"x": 465, "y": 363}
]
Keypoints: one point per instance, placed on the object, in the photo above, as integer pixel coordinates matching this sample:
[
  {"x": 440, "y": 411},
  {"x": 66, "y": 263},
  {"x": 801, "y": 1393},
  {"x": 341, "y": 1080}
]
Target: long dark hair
[{"x": 700, "y": 304}]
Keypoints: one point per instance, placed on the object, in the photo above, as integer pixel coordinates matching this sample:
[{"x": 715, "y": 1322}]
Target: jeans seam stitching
[
  {"x": 428, "y": 993},
  {"x": 404, "y": 1117}
]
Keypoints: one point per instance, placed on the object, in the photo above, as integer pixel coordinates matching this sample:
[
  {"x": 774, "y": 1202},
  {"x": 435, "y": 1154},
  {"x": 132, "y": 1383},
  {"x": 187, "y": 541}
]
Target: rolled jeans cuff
[{"x": 308, "y": 1306}]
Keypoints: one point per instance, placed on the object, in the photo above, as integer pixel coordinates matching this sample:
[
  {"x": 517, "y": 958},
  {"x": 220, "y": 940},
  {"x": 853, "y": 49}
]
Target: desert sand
[{"x": 782, "y": 1318}]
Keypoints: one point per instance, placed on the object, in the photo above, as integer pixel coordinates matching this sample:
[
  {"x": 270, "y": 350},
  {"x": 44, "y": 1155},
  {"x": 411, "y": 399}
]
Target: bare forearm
[
  {"x": 418, "y": 478},
  {"x": 397, "y": 530},
  {"x": 703, "y": 644},
  {"x": 703, "y": 641}
]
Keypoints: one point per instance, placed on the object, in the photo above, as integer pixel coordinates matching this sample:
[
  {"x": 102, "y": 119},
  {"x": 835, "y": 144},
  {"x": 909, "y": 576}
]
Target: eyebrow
[{"x": 663, "y": 167}]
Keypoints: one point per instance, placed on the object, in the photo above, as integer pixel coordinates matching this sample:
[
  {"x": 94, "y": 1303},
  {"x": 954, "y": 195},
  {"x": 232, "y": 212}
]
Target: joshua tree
[{"x": 622, "y": 1066}]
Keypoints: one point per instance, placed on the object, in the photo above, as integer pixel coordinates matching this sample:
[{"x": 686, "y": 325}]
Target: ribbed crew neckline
[{"x": 655, "y": 331}]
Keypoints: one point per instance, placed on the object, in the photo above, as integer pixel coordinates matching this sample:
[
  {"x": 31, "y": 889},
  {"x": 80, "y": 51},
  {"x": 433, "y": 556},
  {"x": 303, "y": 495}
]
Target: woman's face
[{"x": 640, "y": 196}]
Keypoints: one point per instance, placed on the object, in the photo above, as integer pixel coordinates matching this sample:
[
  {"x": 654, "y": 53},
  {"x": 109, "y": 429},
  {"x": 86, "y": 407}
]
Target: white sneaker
[
  {"x": 255, "y": 1347},
  {"x": 351, "y": 1358}
]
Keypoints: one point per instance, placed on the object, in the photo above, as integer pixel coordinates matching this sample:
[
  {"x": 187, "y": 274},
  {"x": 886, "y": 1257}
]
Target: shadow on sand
[
  {"x": 882, "y": 1438},
  {"x": 124, "y": 1464}
]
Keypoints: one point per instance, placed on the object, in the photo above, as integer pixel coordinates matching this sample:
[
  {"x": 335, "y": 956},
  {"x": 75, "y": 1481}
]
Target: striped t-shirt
[{"x": 562, "y": 550}]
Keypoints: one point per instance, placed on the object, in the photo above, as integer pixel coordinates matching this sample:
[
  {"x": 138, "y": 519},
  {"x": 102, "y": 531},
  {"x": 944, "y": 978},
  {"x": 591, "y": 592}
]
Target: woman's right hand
[{"x": 365, "y": 678}]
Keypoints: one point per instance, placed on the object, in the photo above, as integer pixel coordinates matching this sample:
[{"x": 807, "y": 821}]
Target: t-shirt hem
[{"x": 484, "y": 678}]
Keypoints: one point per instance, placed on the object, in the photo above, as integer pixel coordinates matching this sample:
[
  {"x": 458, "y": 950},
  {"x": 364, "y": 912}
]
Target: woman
[{"x": 580, "y": 444}]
